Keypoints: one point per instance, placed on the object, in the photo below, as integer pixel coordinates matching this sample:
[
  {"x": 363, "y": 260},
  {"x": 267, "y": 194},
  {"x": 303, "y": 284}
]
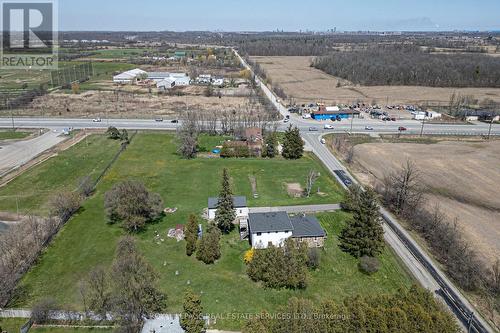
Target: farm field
[
  {"x": 32, "y": 190},
  {"x": 87, "y": 241},
  {"x": 306, "y": 84},
  {"x": 458, "y": 177}
]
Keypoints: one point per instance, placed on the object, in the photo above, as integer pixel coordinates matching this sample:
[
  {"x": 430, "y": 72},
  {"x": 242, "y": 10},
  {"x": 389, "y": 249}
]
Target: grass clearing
[
  {"x": 34, "y": 188},
  {"x": 13, "y": 135},
  {"x": 87, "y": 241}
]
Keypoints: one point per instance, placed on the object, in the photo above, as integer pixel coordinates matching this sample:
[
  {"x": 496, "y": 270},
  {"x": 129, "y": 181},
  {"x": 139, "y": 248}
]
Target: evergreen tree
[
  {"x": 191, "y": 234},
  {"x": 270, "y": 146},
  {"x": 363, "y": 234},
  {"x": 293, "y": 145},
  {"x": 192, "y": 316},
  {"x": 351, "y": 199},
  {"x": 225, "y": 214},
  {"x": 208, "y": 247}
]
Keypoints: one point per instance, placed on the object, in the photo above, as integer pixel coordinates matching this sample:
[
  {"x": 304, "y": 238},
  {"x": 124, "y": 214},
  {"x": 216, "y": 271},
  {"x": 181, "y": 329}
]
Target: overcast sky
[{"x": 289, "y": 15}]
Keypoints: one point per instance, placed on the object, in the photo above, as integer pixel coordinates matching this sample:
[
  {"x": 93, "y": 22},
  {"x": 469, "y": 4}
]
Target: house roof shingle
[
  {"x": 269, "y": 222},
  {"x": 238, "y": 202},
  {"x": 306, "y": 226}
]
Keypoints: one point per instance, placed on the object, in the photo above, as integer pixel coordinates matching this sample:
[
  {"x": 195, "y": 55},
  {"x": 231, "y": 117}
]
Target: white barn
[
  {"x": 239, "y": 203},
  {"x": 166, "y": 84}
]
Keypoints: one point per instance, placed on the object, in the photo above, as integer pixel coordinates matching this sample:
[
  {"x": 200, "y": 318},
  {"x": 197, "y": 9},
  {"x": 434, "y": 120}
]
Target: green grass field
[
  {"x": 87, "y": 241},
  {"x": 13, "y": 135},
  {"x": 34, "y": 188},
  {"x": 13, "y": 325}
]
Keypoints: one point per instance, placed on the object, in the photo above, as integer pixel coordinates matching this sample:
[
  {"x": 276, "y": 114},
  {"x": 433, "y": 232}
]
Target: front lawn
[{"x": 87, "y": 241}]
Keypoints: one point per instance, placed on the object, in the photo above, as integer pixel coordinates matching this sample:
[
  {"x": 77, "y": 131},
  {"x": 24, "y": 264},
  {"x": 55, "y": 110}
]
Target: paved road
[
  {"x": 419, "y": 271},
  {"x": 14, "y": 154},
  {"x": 296, "y": 209},
  {"x": 358, "y": 125}
]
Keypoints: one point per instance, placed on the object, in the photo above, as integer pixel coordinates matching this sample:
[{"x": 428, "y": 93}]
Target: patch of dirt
[
  {"x": 96, "y": 103},
  {"x": 460, "y": 176},
  {"x": 294, "y": 190},
  {"x": 307, "y": 84}
]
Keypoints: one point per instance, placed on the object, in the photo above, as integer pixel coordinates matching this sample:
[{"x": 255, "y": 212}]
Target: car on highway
[
  {"x": 401, "y": 128},
  {"x": 368, "y": 128},
  {"x": 323, "y": 141},
  {"x": 96, "y": 120},
  {"x": 159, "y": 120},
  {"x": 313, "y": 129},
  {"x": 328, "y": 126},
  {"x": 175, "y": 121}
]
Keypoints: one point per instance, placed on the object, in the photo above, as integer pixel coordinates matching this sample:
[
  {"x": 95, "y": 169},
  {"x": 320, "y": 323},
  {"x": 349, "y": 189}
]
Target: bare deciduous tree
[
  {"x": 404, "y": 189},
  {"x": 312, "y": 177}
]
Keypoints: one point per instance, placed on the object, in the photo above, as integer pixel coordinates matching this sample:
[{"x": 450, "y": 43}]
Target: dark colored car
[
  {"x": 313, "y": 129},
  {"x": 159, "y": 120},
  {"x": 175, "y": 121},
  {"x": 401, "y": 128},
  {"x": 343, "y": 177}
]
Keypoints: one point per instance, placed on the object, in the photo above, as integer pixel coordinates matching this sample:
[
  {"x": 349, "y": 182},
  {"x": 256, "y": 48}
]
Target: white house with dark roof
[
  {"x": 239, "y": 203},
  {"x": 276, "y": 227}
]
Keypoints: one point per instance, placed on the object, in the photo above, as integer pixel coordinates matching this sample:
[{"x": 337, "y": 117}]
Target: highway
[{"x": 358, "y": 125}]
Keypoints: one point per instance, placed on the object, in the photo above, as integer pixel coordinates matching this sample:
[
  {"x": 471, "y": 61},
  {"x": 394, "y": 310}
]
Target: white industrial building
[
  {"x": 163, "y": 80},
  {"x": 129, "y": 77}
]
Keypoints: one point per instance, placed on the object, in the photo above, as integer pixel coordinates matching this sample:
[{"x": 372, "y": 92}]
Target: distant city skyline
[{"x": 271, "y": 15}]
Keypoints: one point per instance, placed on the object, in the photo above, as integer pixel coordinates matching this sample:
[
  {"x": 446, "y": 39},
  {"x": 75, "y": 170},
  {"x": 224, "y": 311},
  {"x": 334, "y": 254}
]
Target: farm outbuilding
[
  {"x": 129, "y": 77},
  {"x": 239, "y": 203}
]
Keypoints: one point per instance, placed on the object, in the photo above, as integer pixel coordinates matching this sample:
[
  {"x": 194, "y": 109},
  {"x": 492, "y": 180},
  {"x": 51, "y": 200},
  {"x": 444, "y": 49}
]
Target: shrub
[
  {"x": 208, "y": 248},
  {"x": 369, "y": 265},
  {"x": 132, "y": 204},
  {"x": 41, "y": 311},
  {"x": 64, "y": 204},
  {"x": 313, "y": 258},
  {"x": 248, "y": 257}
]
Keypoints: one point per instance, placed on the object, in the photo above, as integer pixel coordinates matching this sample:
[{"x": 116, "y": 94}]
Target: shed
[{"x": 239, "y": 203}]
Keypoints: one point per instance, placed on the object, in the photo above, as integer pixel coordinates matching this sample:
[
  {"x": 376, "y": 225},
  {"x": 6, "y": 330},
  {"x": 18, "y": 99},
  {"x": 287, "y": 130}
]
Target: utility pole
[
  {"x": 422, "y": 129},
  {"x": 12, "y": 116},
  {"x": 489, "y": 130}
]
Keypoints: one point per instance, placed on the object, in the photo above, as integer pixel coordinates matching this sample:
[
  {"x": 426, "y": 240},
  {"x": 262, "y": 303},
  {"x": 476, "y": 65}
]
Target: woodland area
[{"x": 409, "y": 65}]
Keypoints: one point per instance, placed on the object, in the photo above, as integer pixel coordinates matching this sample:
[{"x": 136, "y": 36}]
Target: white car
[
  {"x": 328, "y": 126},
  {"x": 368, "y": 128},
  {"x": 286, "y": 120},
  {"x": 323, "y": 141},
  {"x": 96, "y": 120},
  {"x": 306, "y": 116}
]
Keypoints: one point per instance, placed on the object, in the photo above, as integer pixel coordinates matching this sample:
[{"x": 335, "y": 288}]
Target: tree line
[
  {"x": 403, "y": 193},
  {"x": 413, "y": 310},
  {"x": 409, "y": 65}
]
